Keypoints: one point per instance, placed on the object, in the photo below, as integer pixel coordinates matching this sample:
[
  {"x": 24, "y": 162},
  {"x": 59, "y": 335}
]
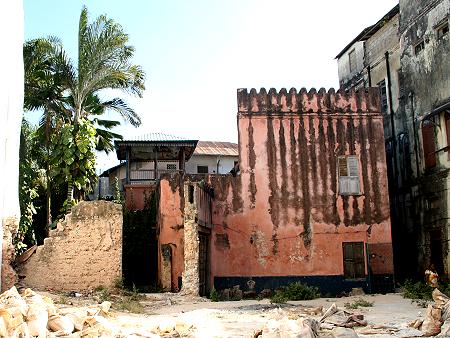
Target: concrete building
[
  {"x": 406, "y": 56},
  {"x": 310, "y": 202}
]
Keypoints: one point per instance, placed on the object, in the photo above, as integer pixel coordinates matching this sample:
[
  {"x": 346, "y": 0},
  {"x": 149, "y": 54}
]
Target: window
[
  {"x": 429, "y": 144},
  {"x": 202, "y": 169},
  {"x": 420, "y": 46},
  {"x": 383, "y": 96},
  {"x": 171, "y": 166},
  {"x": 354, "y": 265},
  {"x": 348, "y": 167},
  {"x": 442, "y": 30},
  {"x": 447, "y": 128},
  {"x": 352, "y": 60},
  {"x": 138, "y": 165}
]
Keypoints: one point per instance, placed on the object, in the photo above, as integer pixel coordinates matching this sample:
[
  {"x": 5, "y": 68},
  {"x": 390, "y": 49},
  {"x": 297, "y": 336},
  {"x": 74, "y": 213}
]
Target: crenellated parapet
[{"x": 362, "y": 101}]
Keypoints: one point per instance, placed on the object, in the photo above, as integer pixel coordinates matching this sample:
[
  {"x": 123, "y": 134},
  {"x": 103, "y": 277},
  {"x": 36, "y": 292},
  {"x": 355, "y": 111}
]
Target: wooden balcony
[{"x": 144, "y": 176}]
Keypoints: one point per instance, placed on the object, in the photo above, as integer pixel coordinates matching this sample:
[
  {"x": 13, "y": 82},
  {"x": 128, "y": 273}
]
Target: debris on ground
[{"x": 33, "y": 315}]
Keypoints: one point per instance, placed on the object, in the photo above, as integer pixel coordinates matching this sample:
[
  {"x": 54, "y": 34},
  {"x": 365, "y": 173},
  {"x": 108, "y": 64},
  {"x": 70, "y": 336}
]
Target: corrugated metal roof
[
  {"x": 156, "y": 137},
  {"x": 216, "y": 148}
]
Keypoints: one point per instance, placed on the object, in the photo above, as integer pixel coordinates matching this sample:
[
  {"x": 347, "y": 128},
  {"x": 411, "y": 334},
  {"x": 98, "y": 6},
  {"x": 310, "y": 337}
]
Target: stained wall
[{"x": 283, "y": 215}]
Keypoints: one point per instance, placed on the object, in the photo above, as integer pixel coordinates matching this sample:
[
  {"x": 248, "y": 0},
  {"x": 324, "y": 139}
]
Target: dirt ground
[{"x": 389, "y": 314}]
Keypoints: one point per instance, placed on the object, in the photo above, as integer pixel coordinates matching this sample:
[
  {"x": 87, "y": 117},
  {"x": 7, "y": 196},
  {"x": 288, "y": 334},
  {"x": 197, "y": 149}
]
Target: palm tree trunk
[
  {"x": 69, "y": 195},
  {"x": 49, "y": 207}
]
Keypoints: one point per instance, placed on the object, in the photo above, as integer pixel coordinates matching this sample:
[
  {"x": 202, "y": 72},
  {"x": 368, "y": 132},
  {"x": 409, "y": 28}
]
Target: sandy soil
[{"x": 243, "y": 318}]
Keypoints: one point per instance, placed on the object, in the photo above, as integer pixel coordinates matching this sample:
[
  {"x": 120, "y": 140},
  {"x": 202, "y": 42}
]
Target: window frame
[
  {"x": 203, "y": 166},
  {"x": 352, "y": 177},
  {"x": 429, "y": 144},
  {"x": 420, "y": 43},
  {"x": 352, "y": 54},
  {"x": 440, "y": 28}
]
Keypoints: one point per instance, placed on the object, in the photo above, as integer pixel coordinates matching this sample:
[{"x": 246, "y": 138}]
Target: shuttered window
[
  {"x": 354, "y": 263},
  {"x": 429, "y": 144},
  {"x": 349, "y": 182},
  {"x": 352, "y": 60}
]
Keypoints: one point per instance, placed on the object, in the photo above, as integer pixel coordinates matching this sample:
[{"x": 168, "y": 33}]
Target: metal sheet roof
[
  {"x": 216, "y": 148},
  {"x": 156, "y": 137}
]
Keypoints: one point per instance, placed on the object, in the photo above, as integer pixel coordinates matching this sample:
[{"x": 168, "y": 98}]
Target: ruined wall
[
  {"x": 283, "y": 215},
  {"x": 171, "y": 231},
  {"x": 138, "y": 195},
  {"x": 83, "y": 252}
]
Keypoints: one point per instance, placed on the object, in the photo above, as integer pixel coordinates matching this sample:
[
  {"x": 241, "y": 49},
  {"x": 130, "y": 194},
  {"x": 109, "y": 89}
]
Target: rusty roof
[{"x": 216, "y": 148}]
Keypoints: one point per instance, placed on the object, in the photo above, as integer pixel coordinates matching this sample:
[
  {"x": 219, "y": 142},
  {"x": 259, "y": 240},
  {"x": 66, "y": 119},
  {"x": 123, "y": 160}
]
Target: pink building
[{"x": 309, "y": 202}]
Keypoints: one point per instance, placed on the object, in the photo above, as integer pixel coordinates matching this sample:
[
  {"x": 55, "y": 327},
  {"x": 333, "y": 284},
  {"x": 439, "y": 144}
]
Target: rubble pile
[
  {"x": 32, "y": 315},
  {"x": 437, "y": 317}
]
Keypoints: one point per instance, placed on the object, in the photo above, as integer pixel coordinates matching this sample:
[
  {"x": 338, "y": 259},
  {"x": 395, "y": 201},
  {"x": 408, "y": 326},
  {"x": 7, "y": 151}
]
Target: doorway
[{"x": 203, "y": 264}]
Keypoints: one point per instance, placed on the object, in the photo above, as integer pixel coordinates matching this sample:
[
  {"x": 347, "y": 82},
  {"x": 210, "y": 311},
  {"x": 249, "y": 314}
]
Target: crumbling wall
[
  {"x": 83, "y": 252},
  {"x": 170, "y": 232},
  {"x": 191, "y": 277},
  {"x": 8, "y": 274}
]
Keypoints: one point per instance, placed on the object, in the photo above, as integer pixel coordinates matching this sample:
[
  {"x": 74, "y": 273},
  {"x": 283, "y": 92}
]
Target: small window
[
  {"x": 202, "y": 169},
  {"x": 447, "y": 129},
  {"x": 420, "y": 46},
  {"x": 354, "y": 264},
  {"x": 429, "y": 144},
  {"x": 442, "y": 30},
  {"x": 191, "y": 193},
  {"x": 383, "y": 96},
  {"x": 352, "y": 60},
  {"x": 138, "y": 165},
  {"x": 171, "y": 166},
  {"x": 349, "y": 182}
]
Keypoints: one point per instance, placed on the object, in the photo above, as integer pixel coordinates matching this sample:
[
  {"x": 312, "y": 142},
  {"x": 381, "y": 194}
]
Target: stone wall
[
  {"x": 9, "y": 276},
  {"x": 82, "y": 253}
]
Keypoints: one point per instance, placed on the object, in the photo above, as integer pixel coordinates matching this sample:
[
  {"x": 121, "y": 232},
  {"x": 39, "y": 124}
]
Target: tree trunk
[
  {"x": 69, "y": 199},
  {"x": 48, "y": 207}
]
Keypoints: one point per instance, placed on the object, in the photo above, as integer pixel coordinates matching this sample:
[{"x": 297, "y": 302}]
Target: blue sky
[{"x": 196, "y": 53}]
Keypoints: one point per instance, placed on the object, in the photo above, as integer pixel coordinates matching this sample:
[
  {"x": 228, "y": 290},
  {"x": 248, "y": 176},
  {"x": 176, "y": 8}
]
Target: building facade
[
  {"x": 406, "y": 56},
  {"x": 309, "y": 203}
]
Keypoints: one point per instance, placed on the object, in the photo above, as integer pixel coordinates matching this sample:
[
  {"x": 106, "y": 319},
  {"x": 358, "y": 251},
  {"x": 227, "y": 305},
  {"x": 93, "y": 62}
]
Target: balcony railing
[{"x": 145, "y": 175}]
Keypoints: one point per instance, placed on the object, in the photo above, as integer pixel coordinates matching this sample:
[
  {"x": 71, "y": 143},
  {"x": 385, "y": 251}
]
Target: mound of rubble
[{"x": 32, "y": 315}]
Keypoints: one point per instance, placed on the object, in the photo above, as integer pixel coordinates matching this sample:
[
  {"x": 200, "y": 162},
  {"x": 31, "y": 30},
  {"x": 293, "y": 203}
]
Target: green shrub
[
  {"x": 416, "y": 290},
  {"x": 360, "y": 302},
  {"x": 295, "y": 291},
  {"x": 214, "y": 295}
]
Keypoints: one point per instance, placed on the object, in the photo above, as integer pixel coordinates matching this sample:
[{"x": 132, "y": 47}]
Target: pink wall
[
  {"x": 170, "y": 225},
  {"x": 283, "y": 216}
]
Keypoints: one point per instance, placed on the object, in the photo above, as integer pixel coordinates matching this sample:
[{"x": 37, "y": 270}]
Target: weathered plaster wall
[
  {"x": 82, "y": 253},
  {"x": 283, "y": 215},
  {"x": 426, "y": 86},
  {"x": 171, "y": 231},
  {"x": 137, "y": 195},
  {"x": 344, "y": 63}
]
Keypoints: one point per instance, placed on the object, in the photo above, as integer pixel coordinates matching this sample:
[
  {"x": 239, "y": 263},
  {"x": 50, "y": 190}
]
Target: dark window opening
[
  {"x": 352, "y": 60},
  {"x": 383, "y": 96},
  {"x": 442, "y": 30},
  {"x": 202, "y": 169},
  {"x": 354, "y": 264},
  {"x": 420, "y": 46},
  {"x": 429, "y": 144},
  {"x": 191, "y": 193}
]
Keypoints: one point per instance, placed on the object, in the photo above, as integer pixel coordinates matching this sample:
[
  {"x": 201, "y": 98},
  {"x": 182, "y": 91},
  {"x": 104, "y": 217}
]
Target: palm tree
[{"x": 104, "y": 62}]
